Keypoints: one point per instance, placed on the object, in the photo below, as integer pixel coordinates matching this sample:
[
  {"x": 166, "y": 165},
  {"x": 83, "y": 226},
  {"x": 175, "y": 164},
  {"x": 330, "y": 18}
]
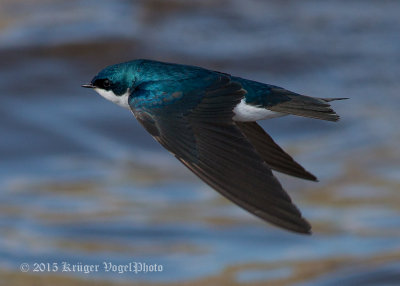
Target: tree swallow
[{"x": 207, "y": 120}]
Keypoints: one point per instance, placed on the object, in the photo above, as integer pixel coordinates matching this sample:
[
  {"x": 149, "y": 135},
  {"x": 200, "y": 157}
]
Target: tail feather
[
  {"x": 329, "y": 99},
  {"x": 308, "y": 106}
]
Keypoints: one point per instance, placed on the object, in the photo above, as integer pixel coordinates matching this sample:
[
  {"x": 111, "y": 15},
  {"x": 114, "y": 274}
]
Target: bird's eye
[
  {"x": 106, "y": 83},
  {"x": 103, "y": 83}
]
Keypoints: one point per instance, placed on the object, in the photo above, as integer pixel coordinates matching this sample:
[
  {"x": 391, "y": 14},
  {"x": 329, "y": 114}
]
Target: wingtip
[
  {"x": 311, "y": 177},
  {"x": 306, "y": 175},
  {"x": 306, "y": 228},
  {"x": 299, "y": 226},
  {"x": 303, "y": 229}
]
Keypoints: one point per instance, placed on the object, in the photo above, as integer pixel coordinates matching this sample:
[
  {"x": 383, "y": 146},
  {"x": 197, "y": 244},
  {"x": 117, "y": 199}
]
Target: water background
[{"x": 81, "y": 181}]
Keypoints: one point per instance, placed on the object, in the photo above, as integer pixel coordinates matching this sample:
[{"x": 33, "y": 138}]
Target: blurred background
[{"x": 81, "y": 181}]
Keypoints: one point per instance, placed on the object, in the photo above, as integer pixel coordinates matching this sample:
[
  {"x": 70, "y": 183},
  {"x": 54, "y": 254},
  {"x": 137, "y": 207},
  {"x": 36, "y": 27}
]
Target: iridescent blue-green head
[{"x": 115, "y": 82}]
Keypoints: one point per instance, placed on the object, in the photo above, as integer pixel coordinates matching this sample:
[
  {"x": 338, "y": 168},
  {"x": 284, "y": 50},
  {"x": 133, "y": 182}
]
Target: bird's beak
[{"x": 88, "y": 85}]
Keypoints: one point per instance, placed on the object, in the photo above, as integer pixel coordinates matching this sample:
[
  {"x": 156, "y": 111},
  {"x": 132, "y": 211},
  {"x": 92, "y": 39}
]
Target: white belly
[{"x": 247, "y": 112}]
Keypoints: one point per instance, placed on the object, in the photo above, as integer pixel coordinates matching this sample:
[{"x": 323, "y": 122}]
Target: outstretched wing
[
  {"x": 272, "y": 154},
  {"x": 195, "y": 124}
]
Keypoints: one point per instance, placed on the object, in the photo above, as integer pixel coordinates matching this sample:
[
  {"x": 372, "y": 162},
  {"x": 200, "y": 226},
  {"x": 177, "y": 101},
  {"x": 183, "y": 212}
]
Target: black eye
[
  {"x": 106, "y": 83},
  {"x": 103, "y": 83}
]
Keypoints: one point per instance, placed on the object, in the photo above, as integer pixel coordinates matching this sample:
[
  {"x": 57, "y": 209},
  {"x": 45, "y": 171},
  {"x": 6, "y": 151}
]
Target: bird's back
[
  {"x": 258, "y": 93},
  {"x": 149, "y": 70}
]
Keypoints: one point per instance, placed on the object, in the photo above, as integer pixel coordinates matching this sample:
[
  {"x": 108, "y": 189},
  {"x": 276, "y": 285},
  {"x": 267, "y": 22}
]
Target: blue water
[{"x": 81, "y": 181}]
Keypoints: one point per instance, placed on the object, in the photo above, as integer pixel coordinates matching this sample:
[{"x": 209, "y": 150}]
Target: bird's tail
[
  {"x": 329, "y": 99},
  {"x": 308, "y": 106}
]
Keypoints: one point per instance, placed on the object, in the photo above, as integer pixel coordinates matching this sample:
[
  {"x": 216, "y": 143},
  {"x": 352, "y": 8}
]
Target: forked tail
[{"x": 308, "y": 106}]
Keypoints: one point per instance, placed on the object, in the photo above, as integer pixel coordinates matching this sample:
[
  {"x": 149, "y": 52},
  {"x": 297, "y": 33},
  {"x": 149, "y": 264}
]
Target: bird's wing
[
  {"x": 272, "y": 154},
  {"x": 196, "y": 126}
]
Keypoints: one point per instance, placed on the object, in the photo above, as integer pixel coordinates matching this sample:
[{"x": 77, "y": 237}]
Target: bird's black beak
[{"x": 88, "y": 85}]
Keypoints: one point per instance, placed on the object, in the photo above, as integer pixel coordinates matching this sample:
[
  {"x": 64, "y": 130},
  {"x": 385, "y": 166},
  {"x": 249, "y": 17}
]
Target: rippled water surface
[{"x": 82, "y": 182}]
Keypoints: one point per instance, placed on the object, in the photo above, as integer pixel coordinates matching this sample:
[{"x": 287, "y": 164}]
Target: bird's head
[{"x": 114, "y": 83}]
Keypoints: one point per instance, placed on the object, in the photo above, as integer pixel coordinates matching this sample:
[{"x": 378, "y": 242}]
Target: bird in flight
[{"x": 207, "y": 120}]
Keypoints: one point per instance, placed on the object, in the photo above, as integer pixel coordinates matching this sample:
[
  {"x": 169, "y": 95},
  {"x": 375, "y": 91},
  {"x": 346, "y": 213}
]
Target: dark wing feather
[
  {"x": 272, "y": 154},
  {"x": 206, "y": 140},
  {"x": 229, "y": 164}
]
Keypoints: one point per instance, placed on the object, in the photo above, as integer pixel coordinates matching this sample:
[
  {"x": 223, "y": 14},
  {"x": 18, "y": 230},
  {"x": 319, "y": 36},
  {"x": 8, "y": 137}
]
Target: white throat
[{"x": 121, "y": 100}]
